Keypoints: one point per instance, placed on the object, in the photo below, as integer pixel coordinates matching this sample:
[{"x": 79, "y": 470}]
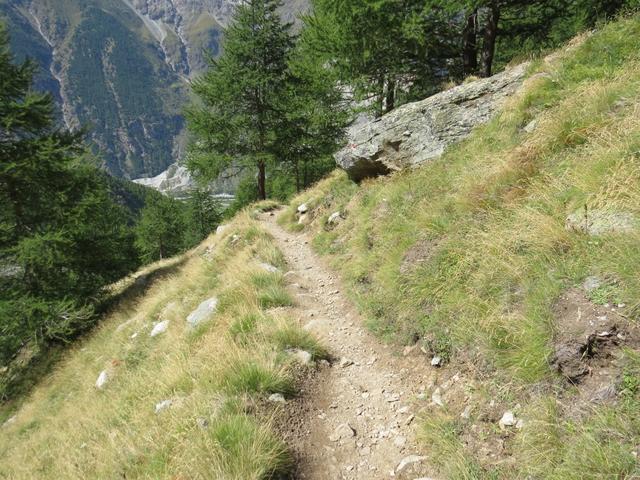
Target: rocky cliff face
[
  {"x": 122, "y": 67},
  {"x": 418, "y": 132}
]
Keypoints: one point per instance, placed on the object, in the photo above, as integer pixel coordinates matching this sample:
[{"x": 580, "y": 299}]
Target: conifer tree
[
  {"x": 62, "y": 238},
  {"x": 240, "y": 111},
  {"x": 383, "y": 48},
  {"x": 160, "y": 233}
]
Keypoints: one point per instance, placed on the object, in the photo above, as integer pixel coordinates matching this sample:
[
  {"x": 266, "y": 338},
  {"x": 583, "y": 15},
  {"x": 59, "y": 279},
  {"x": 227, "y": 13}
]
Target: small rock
[
  {"x": 334, "y": 218},
  {"x": 345, "y": 362},
  {"x": 159, "y": 327},
  {"x": 304, "y": 219},
  {"x": 531, "y": 126},
  {"x": 466, "y": 414},
  {"x": 365, "y": 451},
  {"x": 520, "y": 424},
  {"x": 163, "y": 405},
  {"x": 302, "y": 356},
  {"x": 410, "y": 460},
  {"x": 277, "y": 398},
  {"x": 436, "y": 361},
  {"x": 10, "y": 421},
  {"x": 591, "y": 283},
  {"x": 221, "y": 228},
  {"x": 507, "y": 420},
  {"x": 203, "y": 423},
  {"x": 400, "y": 441},
  {"x": 436, "y": 397},
  {"x": 134, "y": 335},
  {"x": 303, "y": 208},
  {"x": 102, "y": 380},
  {"x": 394, "y": 397},
  {"x": 600, "y": 222},
  {"x": 203, "y": 312},
  {"x": 269, "y": 268},
  {"x": 341, "y": 432}
]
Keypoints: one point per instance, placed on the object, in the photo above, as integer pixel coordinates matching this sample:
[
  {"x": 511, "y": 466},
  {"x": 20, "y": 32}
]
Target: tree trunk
[
  {"x": 297, "y": 171},
  {"x": 470, "y": 45},
  {"x": 489, "y": 41},
  {"x": 262, "y": 190},
  {"x": 390, "y": 97},
  {"x": 380, "y": 98}
]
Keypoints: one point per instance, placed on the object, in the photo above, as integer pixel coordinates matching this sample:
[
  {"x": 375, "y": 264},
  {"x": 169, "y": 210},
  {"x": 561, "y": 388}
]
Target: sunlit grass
[
  {"x": 489, "y": 218},
  {"x": 69, "y": 429}
]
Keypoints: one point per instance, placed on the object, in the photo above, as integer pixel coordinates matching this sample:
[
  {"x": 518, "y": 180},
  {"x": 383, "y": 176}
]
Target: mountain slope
[
  {"x": 181, "y": 395},
  {"x": 506, "y": 272},
  {"x": 121, "y": 68},
  {"x": 512, "y": 263}
]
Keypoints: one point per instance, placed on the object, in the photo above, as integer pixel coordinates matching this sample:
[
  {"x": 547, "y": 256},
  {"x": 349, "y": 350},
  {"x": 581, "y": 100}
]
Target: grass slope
[
  {"x": 471, "y": 253},
  {"x": 216, "y": 375}
]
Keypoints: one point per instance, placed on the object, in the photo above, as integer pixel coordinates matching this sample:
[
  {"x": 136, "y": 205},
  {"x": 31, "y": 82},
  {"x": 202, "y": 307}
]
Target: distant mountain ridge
[{"x": 121, "y": 68}]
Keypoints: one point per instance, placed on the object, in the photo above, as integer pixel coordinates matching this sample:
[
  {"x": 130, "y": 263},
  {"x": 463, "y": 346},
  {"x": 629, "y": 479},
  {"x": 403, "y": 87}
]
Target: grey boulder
[
  {"x": 203, "y": 312},
  {"x": 418, "y": 132}
]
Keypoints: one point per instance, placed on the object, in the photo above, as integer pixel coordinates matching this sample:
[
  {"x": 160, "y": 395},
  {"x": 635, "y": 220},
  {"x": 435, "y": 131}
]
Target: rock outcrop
[{"x": 418, "y": 132}]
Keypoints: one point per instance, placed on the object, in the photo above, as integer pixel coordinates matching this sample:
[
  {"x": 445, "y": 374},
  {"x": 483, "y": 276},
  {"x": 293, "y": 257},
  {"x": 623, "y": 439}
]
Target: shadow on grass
[{"x": 33, "y": 363}]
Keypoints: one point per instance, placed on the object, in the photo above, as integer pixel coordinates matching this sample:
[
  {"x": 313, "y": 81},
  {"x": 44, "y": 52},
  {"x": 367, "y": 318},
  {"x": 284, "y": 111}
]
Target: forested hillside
[{"x": 120, "y": 69}]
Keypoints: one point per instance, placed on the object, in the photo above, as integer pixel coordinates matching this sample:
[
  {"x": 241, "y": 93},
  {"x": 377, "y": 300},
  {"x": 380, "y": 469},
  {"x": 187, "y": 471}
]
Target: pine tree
[
  {"x": 383, "y": 49},
  {"x": 160, "y": 233},
  {"x": 203, "y": 215},
  {"x": 240, "y": 113},
  {"x": 316, "y": 113},
  {"x": 62, "y": 238}
]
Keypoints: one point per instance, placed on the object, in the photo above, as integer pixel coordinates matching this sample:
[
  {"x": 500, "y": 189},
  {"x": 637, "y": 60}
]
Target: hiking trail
[{"x": 358, "y": 415}]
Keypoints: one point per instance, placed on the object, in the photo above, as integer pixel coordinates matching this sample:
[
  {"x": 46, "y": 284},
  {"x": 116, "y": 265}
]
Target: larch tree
[{"x": 239, "y": 112}]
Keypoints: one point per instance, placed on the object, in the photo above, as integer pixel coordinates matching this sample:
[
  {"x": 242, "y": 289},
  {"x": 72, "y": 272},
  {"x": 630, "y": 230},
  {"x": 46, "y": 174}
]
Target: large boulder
[{"x": 418, "y": 132}]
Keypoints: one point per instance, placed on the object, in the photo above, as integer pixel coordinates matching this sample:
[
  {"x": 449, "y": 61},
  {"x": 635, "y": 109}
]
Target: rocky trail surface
[{"x": 356, "y": 418}]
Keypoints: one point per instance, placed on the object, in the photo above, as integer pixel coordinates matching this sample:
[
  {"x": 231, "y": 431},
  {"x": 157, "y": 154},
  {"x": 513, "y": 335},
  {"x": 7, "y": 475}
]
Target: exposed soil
[
  {"x": 355, "y": 417},
  {"x": 588, "y": 348},
  {"x": 417, "y": 255}
]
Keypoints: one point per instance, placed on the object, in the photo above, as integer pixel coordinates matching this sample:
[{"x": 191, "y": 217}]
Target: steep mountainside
[
  {"x": 121, "y": 68},
  {"x": 503, "y": 275}
]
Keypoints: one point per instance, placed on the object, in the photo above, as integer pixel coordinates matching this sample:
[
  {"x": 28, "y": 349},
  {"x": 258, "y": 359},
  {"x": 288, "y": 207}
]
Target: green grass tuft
[
  {"x": 251, "y": 377},
  {"x": 294, "y": 337},
  {"x": 274, "y": 296}
]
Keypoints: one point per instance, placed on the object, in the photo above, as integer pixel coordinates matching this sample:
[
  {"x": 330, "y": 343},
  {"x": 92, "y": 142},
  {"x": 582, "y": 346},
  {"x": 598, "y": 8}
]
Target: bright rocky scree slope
[
  {"x": 511, "y": 263},
  {"x": 504, "y": 273},
  {"x": 120, "y": 68}
]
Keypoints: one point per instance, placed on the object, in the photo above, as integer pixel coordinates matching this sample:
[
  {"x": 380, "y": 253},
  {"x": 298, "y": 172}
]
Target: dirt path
[{"x": 360, "y": 412}]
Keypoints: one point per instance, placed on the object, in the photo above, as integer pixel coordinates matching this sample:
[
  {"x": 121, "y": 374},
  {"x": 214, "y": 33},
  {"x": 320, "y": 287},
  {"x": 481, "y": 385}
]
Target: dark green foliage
[
  {"x": 383, "y": 49},
  {"x": 393, "y": 51},
  {"x": 203, "y": 215},
  {"x": 266, "y": 107},
  {"x": 167, "y": 227},
  {"x": 161, "y": 229},
  {"x": 62, "y": 238},
  {"x": 241, "y": 111}
]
